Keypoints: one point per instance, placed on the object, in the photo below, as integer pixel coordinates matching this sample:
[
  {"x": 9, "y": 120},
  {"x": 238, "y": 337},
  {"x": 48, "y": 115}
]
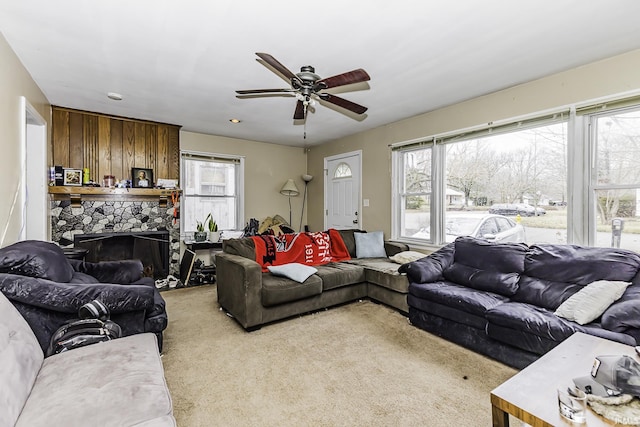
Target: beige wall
[
  {"x": 15, "y": 82},
  {"x": 267, "y": 168},
  {"x": 600, "y": 79}
]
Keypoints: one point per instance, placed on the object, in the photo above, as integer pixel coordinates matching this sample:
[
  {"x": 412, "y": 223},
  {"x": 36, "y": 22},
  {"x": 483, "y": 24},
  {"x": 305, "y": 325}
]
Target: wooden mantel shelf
[{"x": 76, "y": 194}]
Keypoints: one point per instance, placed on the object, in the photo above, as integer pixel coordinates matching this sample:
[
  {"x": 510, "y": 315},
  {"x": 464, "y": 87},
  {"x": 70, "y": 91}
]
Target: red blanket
[{"x": 305, "y": 248}]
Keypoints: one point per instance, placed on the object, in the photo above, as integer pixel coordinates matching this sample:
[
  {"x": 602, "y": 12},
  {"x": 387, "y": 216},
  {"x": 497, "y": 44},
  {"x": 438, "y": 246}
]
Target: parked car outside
[
  {"x": 513, "y": 209},
  {"x": 495, "y": 228}
]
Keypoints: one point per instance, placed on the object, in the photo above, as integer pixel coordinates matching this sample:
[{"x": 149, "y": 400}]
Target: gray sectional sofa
[
  {"x": 254, "y": 297},
  {"x": 111, "y": 384}
]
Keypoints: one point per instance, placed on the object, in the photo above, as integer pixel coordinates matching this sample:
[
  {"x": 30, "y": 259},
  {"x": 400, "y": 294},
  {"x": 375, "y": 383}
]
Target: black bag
[
  {"x": 94, "y": 326},
  {"x": 82, "y": 332}
]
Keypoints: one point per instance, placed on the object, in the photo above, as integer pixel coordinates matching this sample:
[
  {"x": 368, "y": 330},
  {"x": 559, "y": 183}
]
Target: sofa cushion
[
  {"x": 122, "y": 377},
  {"x": 370, "y": 245},
  {"x": 382, "y": 272},
  {"x": 457, "y": 296},
  {"x": 337, "y": 274},
  {"x": 293, "y": 271},
  {"x": 20, "y": 361},
  {"x": 278, "y": 290},
  {"x": 553, "y": 273},
  {"x": 407, "y": 256},
  {"x": 591, "y": 301},
  {"x": 485, "y": 255},
  {"x": 349, "y": 240},
  {"x": 547, "y": 294},
  {"x": 34, "y": 258},
  {"x": 484, "y": 280},
  {"x": 242, "y": 247},
  {"x": 486, "y": 266},
  {"x": 537, "y": 329},
  {"x": 580, "y": 264}
]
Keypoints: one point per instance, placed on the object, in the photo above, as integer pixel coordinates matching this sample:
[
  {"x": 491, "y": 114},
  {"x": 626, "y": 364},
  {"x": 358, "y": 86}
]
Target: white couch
[{"x": 115, "y": 383}]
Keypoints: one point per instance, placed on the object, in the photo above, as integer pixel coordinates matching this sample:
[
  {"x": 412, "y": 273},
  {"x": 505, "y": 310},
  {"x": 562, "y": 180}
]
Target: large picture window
[
  {"x": 211, "y": 184},
  {"x": 505, "y": 184}
]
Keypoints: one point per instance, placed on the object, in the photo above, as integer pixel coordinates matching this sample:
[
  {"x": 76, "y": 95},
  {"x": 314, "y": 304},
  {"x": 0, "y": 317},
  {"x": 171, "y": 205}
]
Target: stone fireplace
[{"x": 118, "y": 222}]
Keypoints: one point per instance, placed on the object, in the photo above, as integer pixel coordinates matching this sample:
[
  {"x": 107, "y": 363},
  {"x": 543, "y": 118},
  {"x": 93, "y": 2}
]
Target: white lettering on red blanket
[{"x": 312, "y": 248}]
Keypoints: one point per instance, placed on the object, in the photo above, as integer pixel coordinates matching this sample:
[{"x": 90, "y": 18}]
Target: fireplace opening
[{"x": 150, "y": 247}]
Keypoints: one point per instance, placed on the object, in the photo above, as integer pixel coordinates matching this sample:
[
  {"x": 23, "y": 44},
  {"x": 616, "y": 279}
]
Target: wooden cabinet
[{"x": 110, "y": 145}]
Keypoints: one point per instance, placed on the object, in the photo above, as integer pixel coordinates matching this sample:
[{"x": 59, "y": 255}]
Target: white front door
[{"x": 342, "y": 197}]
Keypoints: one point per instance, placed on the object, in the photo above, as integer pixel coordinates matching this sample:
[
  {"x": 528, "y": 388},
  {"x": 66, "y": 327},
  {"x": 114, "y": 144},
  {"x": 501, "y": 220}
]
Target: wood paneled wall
[{"x": 109, "y": 145}]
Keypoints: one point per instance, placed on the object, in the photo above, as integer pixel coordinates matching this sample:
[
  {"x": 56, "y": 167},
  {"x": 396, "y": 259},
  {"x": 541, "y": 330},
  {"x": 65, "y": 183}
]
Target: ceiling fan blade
[
  {"x": 341, "y": 102},
  {"x": 299, "y": 113},
  {"x": 277, "y": 65},
  {"x": 350, "y": 77},
  {"x": 256, "y": 91}
]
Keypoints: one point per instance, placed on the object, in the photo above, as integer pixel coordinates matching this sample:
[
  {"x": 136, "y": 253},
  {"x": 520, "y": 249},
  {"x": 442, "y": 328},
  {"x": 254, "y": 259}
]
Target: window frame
[
  {"x": 588, "y": 120},
  {"x": 186, "y": 155},
  {"x": 581, "y": 179},
  {"x": 438, "y": 169}
]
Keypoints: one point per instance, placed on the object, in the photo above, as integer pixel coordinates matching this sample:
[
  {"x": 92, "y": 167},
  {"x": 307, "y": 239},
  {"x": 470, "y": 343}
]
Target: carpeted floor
[{"x": 361, "y": 364}]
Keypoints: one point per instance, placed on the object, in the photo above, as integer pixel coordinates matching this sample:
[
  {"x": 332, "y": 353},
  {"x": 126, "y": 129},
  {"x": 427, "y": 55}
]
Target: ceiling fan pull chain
[{"x": 305, "y": 121}]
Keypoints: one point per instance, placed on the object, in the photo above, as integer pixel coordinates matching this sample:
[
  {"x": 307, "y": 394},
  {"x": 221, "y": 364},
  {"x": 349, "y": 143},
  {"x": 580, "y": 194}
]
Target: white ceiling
[{"x": 181, "y": 61}]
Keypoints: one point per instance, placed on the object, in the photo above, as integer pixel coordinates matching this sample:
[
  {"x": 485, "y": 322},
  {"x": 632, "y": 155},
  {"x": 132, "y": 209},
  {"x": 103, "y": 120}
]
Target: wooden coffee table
[{"x": 530, "y": 395}]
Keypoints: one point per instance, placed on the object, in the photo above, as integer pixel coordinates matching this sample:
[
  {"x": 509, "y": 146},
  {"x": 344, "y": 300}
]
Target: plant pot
[
  {"x": 214, "y": 236},
  {"x": 200, "y": 236}
]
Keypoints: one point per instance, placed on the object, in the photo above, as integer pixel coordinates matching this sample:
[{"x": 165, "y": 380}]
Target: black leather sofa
[
  {"x": 499, "y": 299},
  {"x": 48, "y": 289}
]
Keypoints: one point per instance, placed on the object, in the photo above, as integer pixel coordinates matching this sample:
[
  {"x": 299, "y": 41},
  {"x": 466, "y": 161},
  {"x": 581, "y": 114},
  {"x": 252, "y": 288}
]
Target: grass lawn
[{"x": 558, "y": 219}]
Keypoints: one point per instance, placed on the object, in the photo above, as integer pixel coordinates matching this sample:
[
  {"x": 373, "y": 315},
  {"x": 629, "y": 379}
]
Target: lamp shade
[
  {"x": 289, "y": 188},
  {"x": 307, "y": 178}
]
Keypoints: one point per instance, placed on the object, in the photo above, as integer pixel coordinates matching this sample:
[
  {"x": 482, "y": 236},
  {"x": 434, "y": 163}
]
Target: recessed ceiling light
[
  {"x": 115, "y": 96},
  {"x": 235, "y": 121}
]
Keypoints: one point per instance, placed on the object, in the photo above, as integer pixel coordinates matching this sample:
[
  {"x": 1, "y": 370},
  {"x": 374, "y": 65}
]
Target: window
[
  {"x": 211, "y": 184},
  {"x": 414, "y": 193},
  {"x": 517, "y": 172},
  {"x": 342, "y": 171},
  {"x": 616, "y": 178}
]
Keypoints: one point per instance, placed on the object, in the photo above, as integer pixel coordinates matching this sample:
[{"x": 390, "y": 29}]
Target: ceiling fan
[{"x": 307, "y": 86}]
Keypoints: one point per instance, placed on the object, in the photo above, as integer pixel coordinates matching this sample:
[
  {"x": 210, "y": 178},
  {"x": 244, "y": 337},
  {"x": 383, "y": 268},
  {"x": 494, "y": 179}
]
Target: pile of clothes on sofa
[{"x": 275, "y": 226}]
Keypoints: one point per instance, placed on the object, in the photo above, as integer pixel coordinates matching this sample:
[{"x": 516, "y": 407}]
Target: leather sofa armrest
[
  {"x": 430, "y": 268},
  {"x": 121, "y": 272},
  {"x": 623, "y": 314},
  {"x": 239, "y": 286},
  {"x": 392, "y": 248},
  {"x": 69, "y": 297}
]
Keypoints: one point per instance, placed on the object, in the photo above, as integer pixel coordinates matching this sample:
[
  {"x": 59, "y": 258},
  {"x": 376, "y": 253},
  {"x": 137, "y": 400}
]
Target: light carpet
[{"x": 360, "y": 364}]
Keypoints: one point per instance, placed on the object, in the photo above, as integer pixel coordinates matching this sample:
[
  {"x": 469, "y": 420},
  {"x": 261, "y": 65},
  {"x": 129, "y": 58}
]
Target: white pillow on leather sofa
[{"x": 591, "y": 301}]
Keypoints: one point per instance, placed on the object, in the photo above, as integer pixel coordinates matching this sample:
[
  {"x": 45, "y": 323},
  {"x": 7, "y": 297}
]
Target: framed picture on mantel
[
  {"x": 142, "y": 178},
  {"x": 72, "y": 177}
]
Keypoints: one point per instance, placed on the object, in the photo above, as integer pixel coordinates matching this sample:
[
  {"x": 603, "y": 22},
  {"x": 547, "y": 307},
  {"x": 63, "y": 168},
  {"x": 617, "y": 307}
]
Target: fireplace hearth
[{"x": 150, "y": 247}]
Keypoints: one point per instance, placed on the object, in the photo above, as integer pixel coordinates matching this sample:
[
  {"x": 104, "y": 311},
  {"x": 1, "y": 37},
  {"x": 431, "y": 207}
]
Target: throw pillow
[
  {"x": 293, "y": 271},
  {"x": 370, "y": 245},
  {"x": 35, "y": 258},
  {"x": 407, "y": 256},
  {"x": 591, "y": 301}
]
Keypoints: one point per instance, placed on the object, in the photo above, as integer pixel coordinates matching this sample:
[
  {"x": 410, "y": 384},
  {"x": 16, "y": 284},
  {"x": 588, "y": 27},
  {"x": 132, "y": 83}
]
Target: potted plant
[
  {"x": 200, "y": 235},
  {"x": 214, "y": 234}
]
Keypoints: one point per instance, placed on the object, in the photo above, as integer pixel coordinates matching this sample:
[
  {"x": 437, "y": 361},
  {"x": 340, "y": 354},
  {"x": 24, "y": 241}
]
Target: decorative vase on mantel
[{"x": 200, "y": 236}]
